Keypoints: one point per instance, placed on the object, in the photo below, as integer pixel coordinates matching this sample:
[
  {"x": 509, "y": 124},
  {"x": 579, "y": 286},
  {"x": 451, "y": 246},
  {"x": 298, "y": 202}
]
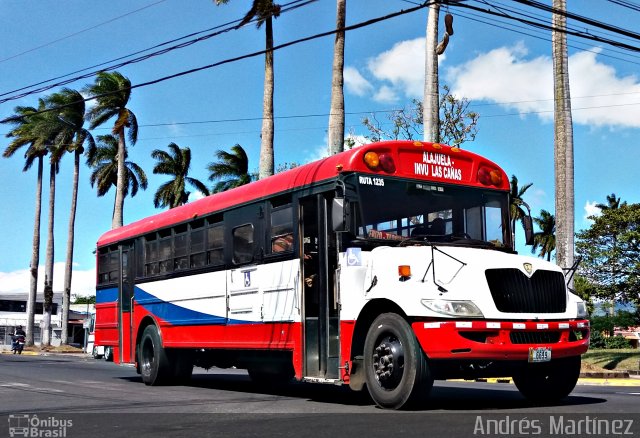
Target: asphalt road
[{"x": 79, "y": 396}]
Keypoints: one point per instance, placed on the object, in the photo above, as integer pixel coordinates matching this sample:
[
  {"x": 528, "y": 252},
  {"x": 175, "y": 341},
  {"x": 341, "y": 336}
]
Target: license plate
[{"x": 539, "y": 354}]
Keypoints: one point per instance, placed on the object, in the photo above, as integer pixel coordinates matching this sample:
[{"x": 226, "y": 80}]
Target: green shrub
[
  {"x": 597, "y": 340},
  {"x": 617, "y": 342}
]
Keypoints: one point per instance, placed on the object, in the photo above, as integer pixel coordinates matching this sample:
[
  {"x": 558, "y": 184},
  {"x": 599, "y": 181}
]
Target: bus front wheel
[
  {"x": 155, "y": 367},
  {"x": 396, "y": 369},
  {"x": 548, "y": 382}
]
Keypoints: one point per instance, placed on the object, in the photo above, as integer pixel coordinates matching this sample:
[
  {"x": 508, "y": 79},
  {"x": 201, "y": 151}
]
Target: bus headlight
[
  {"x": 583, "y": 313},
  {"x": 453, "y": 308}
]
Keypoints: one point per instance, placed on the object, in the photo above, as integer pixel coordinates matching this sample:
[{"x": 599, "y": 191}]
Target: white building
[{"x": 13, "y": 312}]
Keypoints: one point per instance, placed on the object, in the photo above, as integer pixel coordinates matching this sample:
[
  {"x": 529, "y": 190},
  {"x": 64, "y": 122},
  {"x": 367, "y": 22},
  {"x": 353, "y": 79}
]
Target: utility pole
[{"x": 431, "y": 113}]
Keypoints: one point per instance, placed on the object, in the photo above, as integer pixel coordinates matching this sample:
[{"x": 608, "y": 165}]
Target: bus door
[
  {"x": 321, "y": 308},
  {"x": 125, "y": 304},
  {"x": 243, "y": 281}
]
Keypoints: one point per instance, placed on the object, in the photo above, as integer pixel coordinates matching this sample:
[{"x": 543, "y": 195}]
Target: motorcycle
[{"x": 18, "y": 344}]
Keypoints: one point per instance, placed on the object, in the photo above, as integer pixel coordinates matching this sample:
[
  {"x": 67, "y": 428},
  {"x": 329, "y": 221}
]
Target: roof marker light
[
  {"x": 387, "y": 164},
  {"x": 372, "y": 160}
]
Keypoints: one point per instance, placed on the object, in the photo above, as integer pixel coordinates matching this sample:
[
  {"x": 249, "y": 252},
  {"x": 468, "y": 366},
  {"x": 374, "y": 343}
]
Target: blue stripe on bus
[
  {"x": 107, "y": 295},
  {"x": 174, "y": 314}
]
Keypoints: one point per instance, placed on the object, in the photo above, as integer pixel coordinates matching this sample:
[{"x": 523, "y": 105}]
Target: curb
[
  {"x": 24, "y": 353},
  {"x": 46, "y": 353},
  {"x": 605, "y": 375},
  {"x": 585, "y": 379}
]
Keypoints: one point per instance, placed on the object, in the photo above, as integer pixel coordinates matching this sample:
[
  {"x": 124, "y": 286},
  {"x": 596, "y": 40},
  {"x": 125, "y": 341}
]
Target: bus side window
[
  {"x": 281, "y": 229},
  {"x": 243, "y": 244},
  {"x": 215, "y": 245},
  {"x": 151, "y": 255},
  {"x": 180, "y": 248},
  {"x": 197, "y": 254},
  {"x": 165, "y": 252}
]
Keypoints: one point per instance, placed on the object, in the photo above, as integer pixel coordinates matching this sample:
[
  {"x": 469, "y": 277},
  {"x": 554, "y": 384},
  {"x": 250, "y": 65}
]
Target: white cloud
[
  {"x": 83, "y": 283},
  {"x": 195, "y": 195},
  {"x": 402, "y": 66},
  {"x": 355, "y": 83},
  {"x": 509, "y": 76},
  {"x": 506, "y": 75},
  {"x": 590, "y": 209},
  {"x": 385, "y": 94}
]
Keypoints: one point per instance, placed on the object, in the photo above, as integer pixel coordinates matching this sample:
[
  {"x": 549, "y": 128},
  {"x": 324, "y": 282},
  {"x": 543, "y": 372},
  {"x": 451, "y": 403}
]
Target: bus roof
[{"x": 431, "y": 162}]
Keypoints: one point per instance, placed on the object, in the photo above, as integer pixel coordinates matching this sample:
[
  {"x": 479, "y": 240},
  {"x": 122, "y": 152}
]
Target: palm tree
[
  {"x": 173, "y": 193},
  {"x": 516, "y": 211},
  {"x": 545, "y": 239},
  {"x": 263, "y": 11},
  {"x": 57, "y": 135},
  {"x": 103, "y": 158},
  {"x": 25, "y": 134},
  {"x": 232, "y": 169},
  {"x": 72, "y": 114},
  {"x": 613, "y": 203},
  {"x": 336, "y": 114},
  {"x": 563, "y": 139},
  {"x": 112, "y": 92}
]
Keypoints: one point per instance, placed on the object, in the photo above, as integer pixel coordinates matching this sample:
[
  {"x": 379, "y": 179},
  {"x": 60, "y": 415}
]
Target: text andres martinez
[{"x": 558, "y": 425}]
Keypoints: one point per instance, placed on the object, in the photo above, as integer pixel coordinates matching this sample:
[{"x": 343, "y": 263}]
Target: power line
[
  {"x": 514, "y": 28},
  {"x": 226, "y": 27},
  {"x": 626, "y": 4},
  {"x": 550, "y": 27},
  {"x": 238, "y": 58},
  {"x": 80, "y": 31},
  {"x": 580, "y": 18}
]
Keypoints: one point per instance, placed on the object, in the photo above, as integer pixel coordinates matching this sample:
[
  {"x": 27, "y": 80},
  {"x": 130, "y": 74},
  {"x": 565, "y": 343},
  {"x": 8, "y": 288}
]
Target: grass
[{"x": 611, "y": 360}]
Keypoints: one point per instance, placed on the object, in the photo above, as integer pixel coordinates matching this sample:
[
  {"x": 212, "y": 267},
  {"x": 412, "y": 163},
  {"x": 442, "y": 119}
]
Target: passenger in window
[{"x": 282, "y": 243}]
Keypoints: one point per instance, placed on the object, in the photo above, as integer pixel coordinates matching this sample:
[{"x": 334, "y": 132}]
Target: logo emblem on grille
[{"x": 528, "y": 267}]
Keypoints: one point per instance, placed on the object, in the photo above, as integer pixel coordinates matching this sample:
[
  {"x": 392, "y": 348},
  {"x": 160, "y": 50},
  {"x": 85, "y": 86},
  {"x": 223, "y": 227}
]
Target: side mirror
[
  {"x": 340, "y": 215},
  {"x": 527, "y": 223}
]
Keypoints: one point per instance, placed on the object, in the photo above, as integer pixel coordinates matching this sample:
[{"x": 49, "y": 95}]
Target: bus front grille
[
  {"x": 514, "y": 292},
  {"x": 535, "y": 337}
]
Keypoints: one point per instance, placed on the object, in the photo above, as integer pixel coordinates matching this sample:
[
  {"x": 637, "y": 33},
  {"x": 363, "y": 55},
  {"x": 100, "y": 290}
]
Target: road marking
[{"x": 14, "y": 384}]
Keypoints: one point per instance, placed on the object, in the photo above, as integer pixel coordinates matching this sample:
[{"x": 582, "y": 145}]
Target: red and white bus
[{"x": 390, "y": 264}]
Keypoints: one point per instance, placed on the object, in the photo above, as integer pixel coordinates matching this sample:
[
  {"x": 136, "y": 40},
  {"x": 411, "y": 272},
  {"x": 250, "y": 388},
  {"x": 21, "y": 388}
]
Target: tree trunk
[
  {"x": 66, "y": 296},
  {"x": 48, "y": 269},
  {"x": 430, "y": 115},
  {"x": 336, "y": 116},
  {"x": 266, "y": 141},
  {"x": 563, "y": 142},
  {"x": 35, "y": 258},
  {"x": 118, "y": 207}
]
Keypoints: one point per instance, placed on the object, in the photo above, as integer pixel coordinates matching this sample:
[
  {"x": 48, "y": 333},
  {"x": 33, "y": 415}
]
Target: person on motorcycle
[{"x": 18, "y": 340}]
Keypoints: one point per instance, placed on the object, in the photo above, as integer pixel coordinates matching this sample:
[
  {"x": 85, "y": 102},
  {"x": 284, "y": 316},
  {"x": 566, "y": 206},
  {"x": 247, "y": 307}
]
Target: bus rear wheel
[
  {"x": 548, "y": 382},
  {"x": 396, "y": 369},
  {"x": 155, "y": 367}
]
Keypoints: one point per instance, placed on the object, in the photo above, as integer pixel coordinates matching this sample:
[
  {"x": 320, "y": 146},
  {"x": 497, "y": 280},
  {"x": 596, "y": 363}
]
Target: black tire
[
  {"x": 548, "y": 382},
  {"x": 396, "y": 369},
  {"x": 155, "y": 367},
  {"x": 108, "y": 354},
  {"x": 95, "y": 354}
]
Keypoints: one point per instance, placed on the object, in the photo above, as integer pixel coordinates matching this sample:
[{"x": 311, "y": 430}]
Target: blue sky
[{"x": 505, "y": 73}]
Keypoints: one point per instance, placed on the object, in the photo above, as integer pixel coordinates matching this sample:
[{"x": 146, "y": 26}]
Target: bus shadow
[{"x": 467, "y": 397}]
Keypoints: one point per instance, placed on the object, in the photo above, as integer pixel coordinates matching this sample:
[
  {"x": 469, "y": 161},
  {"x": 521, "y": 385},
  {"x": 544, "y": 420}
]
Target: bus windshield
[{"x": 394, "y": 209}]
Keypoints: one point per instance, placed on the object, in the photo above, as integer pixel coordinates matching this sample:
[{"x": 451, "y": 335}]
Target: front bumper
[{"x": 500, "y": 340}]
